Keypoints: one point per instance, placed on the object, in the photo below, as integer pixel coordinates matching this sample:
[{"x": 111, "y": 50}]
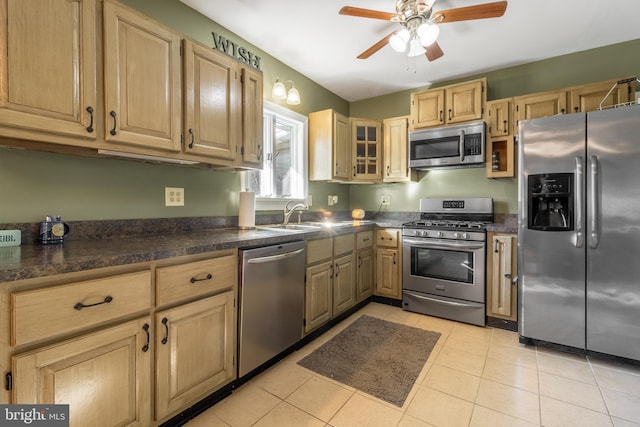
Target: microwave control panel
[{"x": 473, "y": 144}]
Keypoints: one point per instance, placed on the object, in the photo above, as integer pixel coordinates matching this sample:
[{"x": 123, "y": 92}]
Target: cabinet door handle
[
  {"x": 495, "y": 247},
  {"x": 354, "y": 171},
  {"x": 192, "y": 138},
  {"x": 337, "y": 270},
  {"x": 441, "y": 113},
  {"x": 331, "y": 274},
  {"x": 165, "y": 322},
  {"x": 145, "y": 328},
  {"x": 259, "y": 152},
  {"x": 450, "y": 114},
  {"x": 387, "y": 170},
  {"x": 359, "y": 261},
  {"x": 505, "y": 126},
  {"x": 115, "y": 123},
  {"x": 90, "y": 127},
  {"x": 394, "y": 258},
  {"x": 209, "y": 276},
  {"x": 79, "y": 306}
]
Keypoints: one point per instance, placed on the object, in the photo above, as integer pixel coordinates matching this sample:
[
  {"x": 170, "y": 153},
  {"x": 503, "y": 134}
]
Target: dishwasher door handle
[{"x": 273, "y": 258}]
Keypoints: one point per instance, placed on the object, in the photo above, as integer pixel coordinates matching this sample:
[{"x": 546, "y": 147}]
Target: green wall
[
  {"x": 605, "y": 63},
  {"x": 35, "y": 184}
]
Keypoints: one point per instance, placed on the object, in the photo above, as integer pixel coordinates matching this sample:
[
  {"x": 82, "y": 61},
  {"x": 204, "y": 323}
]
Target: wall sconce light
[{"x": 280, "y": 92}]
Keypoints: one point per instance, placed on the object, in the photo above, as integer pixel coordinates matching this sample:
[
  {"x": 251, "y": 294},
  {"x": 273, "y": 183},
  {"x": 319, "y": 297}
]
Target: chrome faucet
[{"x": 289, "y": 211}]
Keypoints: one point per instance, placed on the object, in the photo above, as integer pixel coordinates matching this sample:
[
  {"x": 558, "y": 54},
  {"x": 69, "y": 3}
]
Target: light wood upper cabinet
[
  {"x": 366, "y": 146},
  {"x": 329, "y": 146},
  {"x": 452, "y": 104},
  {"x": 103, "y": 376},
  {"x": 211, "y": 102},
  {"x": 500, "y": 117},
  {"x": 142, "y": 81},
  {"x": 427, "y": 109},
  {"x": 541, "y": 104},
  {"x": 588, "y": 97},
  {"x": 396, "y": 150},
  {"x": 465, "y": 102},
  {"x": 48, "y": 70},
  {"x": 251, "y": 150},
  {"x": 195, "y": 349},
  {"x": 500, "y": 156}
]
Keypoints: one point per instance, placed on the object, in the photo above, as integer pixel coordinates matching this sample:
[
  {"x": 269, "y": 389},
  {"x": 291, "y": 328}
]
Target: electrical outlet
[
  {"x": 333, "y": 200},
  {"x": 386, "y": 200},
  {"x": 173, "y": 196}
]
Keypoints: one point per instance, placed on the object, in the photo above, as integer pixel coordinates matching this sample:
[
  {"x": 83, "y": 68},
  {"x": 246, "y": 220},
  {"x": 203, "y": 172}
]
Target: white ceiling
[{"x": 312, "y": 38}]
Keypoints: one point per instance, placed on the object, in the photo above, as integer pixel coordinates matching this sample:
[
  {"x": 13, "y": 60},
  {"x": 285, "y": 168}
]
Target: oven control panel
[{"x": 478, "y": 236}]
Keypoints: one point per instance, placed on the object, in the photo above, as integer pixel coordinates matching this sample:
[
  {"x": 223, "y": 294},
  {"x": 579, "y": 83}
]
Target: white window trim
[{"x": 272, "y": 204}]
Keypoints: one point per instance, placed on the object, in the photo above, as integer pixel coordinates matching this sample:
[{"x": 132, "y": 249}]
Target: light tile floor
[{"x": 474, "y": 377}]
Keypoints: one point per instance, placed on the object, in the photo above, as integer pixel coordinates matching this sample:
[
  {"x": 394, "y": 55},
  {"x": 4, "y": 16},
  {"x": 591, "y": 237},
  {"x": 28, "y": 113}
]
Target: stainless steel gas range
[{"x": 443, "y": 271}]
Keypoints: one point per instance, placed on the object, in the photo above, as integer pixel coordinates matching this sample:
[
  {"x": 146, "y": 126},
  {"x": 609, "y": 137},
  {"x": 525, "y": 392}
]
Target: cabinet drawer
[
  {"x": 318, "y": 250},
  {"x": 387, "y": 237},
  {"x": 364, "y": 239},
  {"x": 180, "y": 282},
  {"x": 41, "y": 313},
  {"x": 343, "y": 244}
]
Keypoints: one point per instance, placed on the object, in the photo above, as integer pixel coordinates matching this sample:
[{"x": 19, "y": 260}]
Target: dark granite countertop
[{"x": 31, "y": 261}]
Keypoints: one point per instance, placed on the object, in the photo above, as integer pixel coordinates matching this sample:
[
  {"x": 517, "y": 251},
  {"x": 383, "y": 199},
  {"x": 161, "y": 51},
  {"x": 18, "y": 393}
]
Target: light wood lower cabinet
[
  {"x": 92, "y": 342},
  {"x": 388, "y": 263},
  {"x": 364, "y": 274},
  {"x": 501, "y": 272},
  {"x": 195, "y": 349},
  {"x": 330, "y": 282},
  {"x": 103, "y": 376}
]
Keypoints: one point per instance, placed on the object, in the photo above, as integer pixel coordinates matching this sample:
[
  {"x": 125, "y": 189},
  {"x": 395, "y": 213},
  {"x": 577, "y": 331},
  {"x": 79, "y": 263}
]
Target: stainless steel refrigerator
[{"x": 579, "y": 231}]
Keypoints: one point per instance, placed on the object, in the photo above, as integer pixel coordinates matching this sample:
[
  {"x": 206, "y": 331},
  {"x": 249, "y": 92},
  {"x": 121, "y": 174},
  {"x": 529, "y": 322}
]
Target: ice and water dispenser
[{"x": 550, "y": 202}]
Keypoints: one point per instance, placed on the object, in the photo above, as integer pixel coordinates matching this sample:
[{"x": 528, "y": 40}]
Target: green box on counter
[{"x": 10, "y": 238}]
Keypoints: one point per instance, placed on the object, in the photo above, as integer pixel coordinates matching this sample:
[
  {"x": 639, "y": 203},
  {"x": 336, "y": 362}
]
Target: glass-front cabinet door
[{"x": 366, "y": 143}]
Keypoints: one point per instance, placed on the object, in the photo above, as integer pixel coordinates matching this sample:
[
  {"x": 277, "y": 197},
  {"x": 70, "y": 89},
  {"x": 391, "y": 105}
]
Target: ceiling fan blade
[
  {"x": 481, "y": 11},
  {"x": 376, "y": 47},
  {"x": 433, "y": 51},
  {"x": 367, "y": 13}
]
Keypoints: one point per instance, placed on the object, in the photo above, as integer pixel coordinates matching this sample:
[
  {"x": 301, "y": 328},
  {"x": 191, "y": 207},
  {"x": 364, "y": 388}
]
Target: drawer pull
[
  {"x": 366, "y": 239},
  {"x": 145, "y": 328},
  {"x": 80, "y": 306},
  {"x": 208, "y": 277},
  {"x": 165, "y": 322}
]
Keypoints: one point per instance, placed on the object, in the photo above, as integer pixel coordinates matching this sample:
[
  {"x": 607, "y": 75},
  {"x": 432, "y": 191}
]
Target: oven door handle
[
  {"x": 439, "y": 301},
  {"x": 441, "y": 244}
]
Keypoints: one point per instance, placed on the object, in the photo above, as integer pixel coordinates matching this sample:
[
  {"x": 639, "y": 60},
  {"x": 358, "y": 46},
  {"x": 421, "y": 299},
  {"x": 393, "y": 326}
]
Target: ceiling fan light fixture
[
  {"x": 428, "y": 33},
  {"x": 416, "y": 48},
  {"x": 279, "y": 91},
  {"x": 398, "y": 40}
]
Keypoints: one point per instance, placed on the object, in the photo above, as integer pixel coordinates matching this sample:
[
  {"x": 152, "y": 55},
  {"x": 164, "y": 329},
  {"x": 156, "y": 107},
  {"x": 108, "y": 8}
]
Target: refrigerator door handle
[
  {"x": 579, "y": 242},
  {"x": 594, "y": 238}
]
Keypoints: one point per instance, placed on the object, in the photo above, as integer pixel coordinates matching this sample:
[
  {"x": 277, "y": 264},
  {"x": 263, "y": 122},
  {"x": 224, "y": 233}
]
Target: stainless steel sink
[{"x": 292, "y": 227}]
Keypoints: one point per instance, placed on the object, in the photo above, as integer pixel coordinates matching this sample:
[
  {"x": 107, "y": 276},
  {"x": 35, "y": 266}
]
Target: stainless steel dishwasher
[{"x": 271, "y": 302}]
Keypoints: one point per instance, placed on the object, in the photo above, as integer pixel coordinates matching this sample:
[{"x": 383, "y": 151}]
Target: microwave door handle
[{"x": 462, "y": 145}]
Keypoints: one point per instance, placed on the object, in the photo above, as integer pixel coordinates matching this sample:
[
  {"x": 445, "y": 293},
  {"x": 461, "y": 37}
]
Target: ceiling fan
[{"x": 420, "y": 24}]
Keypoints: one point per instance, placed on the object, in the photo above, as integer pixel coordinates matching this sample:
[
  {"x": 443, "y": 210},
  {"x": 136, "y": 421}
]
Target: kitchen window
[{"x": 284, "y": 160}]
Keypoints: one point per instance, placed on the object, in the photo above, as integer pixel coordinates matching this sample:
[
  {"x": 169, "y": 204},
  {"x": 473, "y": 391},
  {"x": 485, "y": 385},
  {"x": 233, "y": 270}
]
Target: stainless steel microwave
[{"x": 450, "y": 146}]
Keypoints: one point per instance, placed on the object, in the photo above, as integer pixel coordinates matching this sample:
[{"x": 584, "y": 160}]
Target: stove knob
[
  {"x": 465, "y": 236},
  {"x": 439, "y": 234},
  {"x": 456, "y": 235}
]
